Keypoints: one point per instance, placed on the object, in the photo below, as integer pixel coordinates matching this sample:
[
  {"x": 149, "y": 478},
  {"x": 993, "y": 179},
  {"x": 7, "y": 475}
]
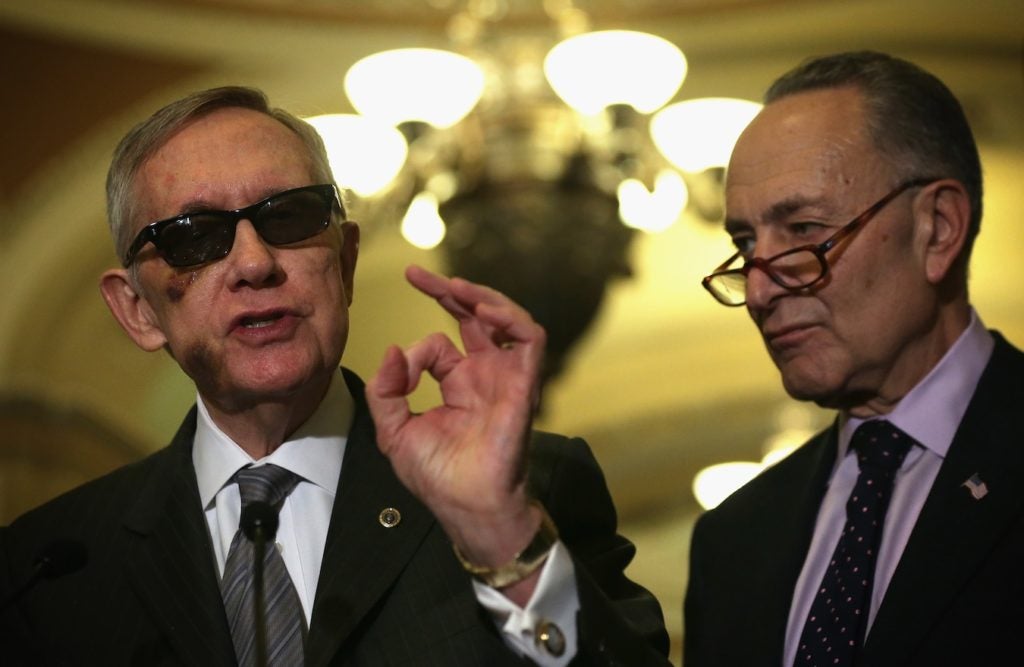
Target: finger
[
  {"x": 463, "y": 299},
  {"x": 469, "y": 292},
  {"x": 387, "y": 392},
  {"x": 511, "y": 324},
  {"x": 435, "y": 354},
  {"x": 439, "y": 288},
  {"x": 482, "y": 296},
  {"x": 501, "y": 326},
  {"x": 458, "y": 296},
  {"x": 426, "y": 281}
]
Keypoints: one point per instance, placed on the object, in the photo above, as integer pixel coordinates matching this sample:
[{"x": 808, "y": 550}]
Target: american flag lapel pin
[{"x": 975, "y": 486}]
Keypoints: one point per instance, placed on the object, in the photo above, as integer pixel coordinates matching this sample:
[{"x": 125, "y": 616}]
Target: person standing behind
[{"x": 895, "y": 536}]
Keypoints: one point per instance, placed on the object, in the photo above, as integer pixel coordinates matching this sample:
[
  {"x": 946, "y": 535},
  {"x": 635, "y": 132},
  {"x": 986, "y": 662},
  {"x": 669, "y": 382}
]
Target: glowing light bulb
[
  {"x": 422, "y": 225},
  {"x": 699, "y": 134},
  {"x": 365, "y": 155},
  {"x": 429, "y": 85},
  {"x": 597, "y": 69},
  {"x": 715, "y": 483},
  {"x": 653, "y": 211}
]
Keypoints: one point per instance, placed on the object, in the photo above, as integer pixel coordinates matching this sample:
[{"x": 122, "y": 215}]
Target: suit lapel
[
  {"x": 362, "y": 557},
  {"x": 955, "y": 531},
  {"x": 795, "y": 503},
  {"x": 170, "y": 558}
]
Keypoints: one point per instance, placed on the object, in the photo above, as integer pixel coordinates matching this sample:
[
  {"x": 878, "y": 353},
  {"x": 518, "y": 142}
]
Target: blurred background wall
[{"x": 661, "y": 380}]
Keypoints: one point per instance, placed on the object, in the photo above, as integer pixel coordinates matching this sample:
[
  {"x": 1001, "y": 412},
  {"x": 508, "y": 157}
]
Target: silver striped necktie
[{"x": 285, "y": 622}]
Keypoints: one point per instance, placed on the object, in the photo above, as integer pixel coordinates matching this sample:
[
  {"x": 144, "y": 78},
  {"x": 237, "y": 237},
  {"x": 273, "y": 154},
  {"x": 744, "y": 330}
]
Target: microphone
[
  {"x": 259, "y": 523},
  {"x": 56, "y": 559}
]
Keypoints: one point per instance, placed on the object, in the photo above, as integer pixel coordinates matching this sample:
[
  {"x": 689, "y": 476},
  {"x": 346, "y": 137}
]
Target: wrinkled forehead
[
  {"x": 814, "y": 126},
  {"x": 807, "y": 141},
  {"x": 226, "y": 159}
]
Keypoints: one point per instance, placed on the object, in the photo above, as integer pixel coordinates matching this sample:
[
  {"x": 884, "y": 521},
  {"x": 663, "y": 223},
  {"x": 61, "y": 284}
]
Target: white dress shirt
[
  {"x": 930, "y": 413},
  {"x": 315, "y": 453}
]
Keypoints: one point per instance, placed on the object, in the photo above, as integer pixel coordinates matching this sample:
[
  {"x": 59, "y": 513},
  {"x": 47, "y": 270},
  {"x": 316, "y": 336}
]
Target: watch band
[{"x": 524, "y": 563}]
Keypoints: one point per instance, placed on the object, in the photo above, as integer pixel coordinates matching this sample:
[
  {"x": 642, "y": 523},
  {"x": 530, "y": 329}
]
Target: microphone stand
[
  {"x": 56, "y": 559},
  {"x": 259, "y": 523}
]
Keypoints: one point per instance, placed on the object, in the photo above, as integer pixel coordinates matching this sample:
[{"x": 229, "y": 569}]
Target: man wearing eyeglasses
[
  {"x": 896, "y": 536},
  {"x": 451, "y": 537}
]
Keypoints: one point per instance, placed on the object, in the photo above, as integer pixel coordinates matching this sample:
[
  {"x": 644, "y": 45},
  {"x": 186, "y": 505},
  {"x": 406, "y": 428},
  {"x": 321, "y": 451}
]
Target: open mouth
[{"x": 259, "y": 322}]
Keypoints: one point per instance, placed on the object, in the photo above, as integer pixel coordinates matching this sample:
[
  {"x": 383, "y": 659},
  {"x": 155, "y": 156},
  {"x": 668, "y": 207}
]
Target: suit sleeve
[
  {"x": 694, "y": 653},
  {"x": 620, "y": 622},
  {"x": 14, "y": 634}
]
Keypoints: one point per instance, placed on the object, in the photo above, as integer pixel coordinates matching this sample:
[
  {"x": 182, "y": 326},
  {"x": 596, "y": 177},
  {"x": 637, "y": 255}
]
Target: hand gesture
[{"x": 466, "y": 458}]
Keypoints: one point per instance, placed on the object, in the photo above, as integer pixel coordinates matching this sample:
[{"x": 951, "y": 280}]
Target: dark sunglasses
[{"x": 196, "y": 238}]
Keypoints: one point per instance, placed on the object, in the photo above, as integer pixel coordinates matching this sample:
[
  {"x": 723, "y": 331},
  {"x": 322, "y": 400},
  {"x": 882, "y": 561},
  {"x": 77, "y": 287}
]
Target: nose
[
  {"x": 761, "y": 290},
  {"x": 252, "y": 261}
]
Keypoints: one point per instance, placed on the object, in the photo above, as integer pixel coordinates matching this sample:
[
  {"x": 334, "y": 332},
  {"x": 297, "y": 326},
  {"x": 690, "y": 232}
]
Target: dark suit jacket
[
  {"x": 957, "y": 595},
  {"x": 387, "y": 596}
]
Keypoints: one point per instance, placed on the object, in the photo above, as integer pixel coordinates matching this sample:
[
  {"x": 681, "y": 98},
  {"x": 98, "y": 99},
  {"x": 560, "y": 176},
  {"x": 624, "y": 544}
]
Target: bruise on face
[
  {"x": 179, "y": 283},
  {"x": 202, "y": 365}
]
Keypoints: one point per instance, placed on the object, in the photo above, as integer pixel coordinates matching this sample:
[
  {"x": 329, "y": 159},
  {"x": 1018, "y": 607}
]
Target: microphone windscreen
[
  {"x": 258, "y": 518},
  {"x": 60, "y": 557}
]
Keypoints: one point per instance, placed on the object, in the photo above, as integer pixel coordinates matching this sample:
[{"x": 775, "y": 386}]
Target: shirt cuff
[{"x": 545, "y": 630}]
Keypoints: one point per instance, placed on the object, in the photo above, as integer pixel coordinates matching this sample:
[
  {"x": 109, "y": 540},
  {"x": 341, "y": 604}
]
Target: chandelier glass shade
[
  {"x": 596, "y": 70},
  {"x": 699, "y": 134},
  {"x": 348, "y": 137},
  {"x": 433, "y": 86},
  {"x": 530, "y": 167}
]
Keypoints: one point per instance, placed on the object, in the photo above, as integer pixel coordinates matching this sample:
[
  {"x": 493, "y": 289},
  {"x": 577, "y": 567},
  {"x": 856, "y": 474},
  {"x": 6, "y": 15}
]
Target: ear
[
  {"x": 943, "y": 214},
  {"x": 349, "y": 255},
  {"x": 131, "y": 310}
]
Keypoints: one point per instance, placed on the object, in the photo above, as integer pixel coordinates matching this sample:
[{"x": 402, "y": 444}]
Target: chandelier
[{"x": 530, "y": 161}]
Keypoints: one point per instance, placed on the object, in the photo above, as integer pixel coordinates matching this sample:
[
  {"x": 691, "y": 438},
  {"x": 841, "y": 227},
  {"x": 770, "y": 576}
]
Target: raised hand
[{"x": 466, "y": 458}]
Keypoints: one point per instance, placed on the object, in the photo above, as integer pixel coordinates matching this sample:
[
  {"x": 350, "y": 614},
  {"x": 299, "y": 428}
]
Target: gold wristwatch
[{"x": 524, "y": 563}]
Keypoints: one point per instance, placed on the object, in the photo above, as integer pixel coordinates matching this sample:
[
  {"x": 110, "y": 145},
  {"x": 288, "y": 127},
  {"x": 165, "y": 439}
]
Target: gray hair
[
  {"x": 147, "y": 137},
  {"x": 911, "y": 116}
]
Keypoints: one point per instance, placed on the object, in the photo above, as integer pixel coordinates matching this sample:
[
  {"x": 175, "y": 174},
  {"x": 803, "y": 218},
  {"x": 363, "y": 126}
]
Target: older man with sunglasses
[
  {"x": 299, "y": 517},
  {"x": 896, "y": 536}
]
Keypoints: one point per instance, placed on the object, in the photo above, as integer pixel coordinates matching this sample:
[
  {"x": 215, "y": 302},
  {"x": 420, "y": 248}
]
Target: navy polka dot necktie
[{"x": 837, "y": 621}]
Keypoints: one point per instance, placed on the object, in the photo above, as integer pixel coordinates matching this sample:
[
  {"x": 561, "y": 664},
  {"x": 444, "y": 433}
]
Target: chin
[
  {"x": 808, "y": 382},
  {"x": 275, "y": 380}
]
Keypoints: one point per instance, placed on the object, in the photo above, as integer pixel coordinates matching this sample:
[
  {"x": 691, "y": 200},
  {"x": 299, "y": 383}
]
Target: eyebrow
[
  {"x": 780, "y": 211},
  {"x": 197, "y": 206},
  {"x": 191, "y": 207},
  {"x": 201, "y": 205}
]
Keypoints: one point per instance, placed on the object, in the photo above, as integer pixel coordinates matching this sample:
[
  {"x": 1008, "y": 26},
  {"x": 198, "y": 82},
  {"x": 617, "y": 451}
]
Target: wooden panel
[{"x": 54, "y": 90}]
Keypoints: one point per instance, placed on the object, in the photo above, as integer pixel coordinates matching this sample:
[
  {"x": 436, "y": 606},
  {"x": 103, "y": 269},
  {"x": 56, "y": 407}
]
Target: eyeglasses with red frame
[{"x": 797, "y": 268}]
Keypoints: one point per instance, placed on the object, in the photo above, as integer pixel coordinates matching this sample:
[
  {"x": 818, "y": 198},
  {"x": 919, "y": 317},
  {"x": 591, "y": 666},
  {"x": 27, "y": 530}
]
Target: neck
[
  {"x": 913, "y": 364},
  {"x": 261, "y": 426}
]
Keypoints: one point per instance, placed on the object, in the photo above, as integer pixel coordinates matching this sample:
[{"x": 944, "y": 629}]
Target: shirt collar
[
  {"x": 931, "y": 412},
  {"x": 314, "y": 451}
]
